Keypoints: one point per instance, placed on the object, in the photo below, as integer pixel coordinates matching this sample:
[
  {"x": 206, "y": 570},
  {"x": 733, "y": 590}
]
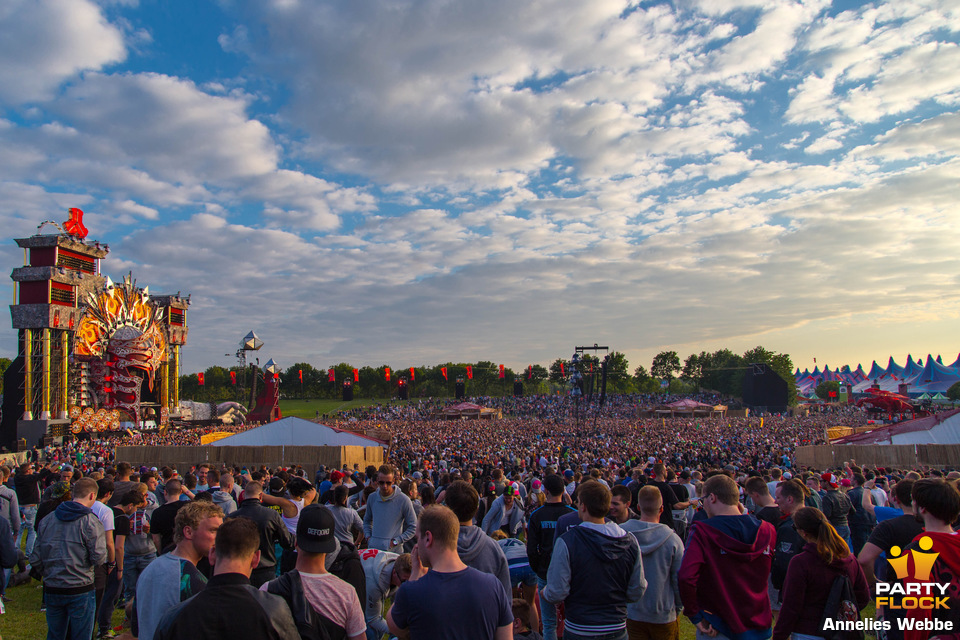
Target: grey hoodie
[
  {"x": 70, "y": 543},
  {"x": 225, "y": 501},
  {"x": 387, "y": 519},
  {"x": 480, "y": 551},
  {"x": 661, "y": 552}
]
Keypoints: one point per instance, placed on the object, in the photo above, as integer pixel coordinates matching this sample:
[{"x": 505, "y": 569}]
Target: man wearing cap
[
  {"x": 317, "y": 598},
  {"x": 389, "y": 519},
  {"x": 505, "y": 513},
  {"x": 837, "y": 507}
]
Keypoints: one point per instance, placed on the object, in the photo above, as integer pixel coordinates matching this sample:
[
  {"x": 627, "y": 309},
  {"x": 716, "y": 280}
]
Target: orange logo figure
[
  {"x": 74, "y": 226},
  {"x": 922, "y": 560}
]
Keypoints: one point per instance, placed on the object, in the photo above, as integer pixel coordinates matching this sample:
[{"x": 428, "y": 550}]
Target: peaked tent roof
[
  {"x": 875, "y": 371},
  {"x": 293, "y": 431},
  {"x": 894, "y": 368}
]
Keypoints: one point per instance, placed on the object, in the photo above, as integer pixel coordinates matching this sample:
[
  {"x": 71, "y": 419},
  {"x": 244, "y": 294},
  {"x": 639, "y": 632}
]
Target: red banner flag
[
  {"x": 331, "y": 376},
  {"x": 529, "y": 372},
  {"x": 411, "y": 374},
  {"x": 591, "y": 367},
  {"x": 469, "y": 373},
  {"x": 501, "y": 372},
  {"x": 386, "y": 373},
  {"x": 443, "y": 370},
  {"x": 200, "y": 379},
  {"x": 300, "y": 373},
  {"x": 356, "y": 375},
  {"x": 233, "y": 377},
  {"x": 562, "y": 372}
]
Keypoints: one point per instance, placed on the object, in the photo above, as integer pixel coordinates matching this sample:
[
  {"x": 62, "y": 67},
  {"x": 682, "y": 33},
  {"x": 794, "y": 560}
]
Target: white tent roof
[{"x": 295, "y": 431}]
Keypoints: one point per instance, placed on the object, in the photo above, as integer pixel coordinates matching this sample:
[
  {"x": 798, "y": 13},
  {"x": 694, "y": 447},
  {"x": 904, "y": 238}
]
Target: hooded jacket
[
  {"x": 661, "y": 552},
  {"x": 807, "y": 589},
  {"x": 378, "y": 569},
  {"x": 480, "y": 551},
  {"x": 69, "y": 545},
  {"x": 225, "y": 501},
  {"x": 491, "y": 521},
  {"x": 386, "y": 519},
  {"x": 595, "y": 571},
  {"x": 723, "y": 576}
]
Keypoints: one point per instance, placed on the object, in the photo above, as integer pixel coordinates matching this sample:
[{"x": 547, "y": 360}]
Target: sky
[{"x": 419, "y": 181}]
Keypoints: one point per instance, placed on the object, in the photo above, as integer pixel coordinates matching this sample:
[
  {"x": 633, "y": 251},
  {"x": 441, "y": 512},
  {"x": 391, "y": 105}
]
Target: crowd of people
[{"x": 541, "y": 524}]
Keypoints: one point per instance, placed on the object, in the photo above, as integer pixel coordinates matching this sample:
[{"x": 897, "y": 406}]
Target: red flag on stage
[
  {"x": 443, "y": 370},
  {"x": 386, "y": 373},
  {"x": 529, "y": 372},
  {"x": 200, "y": 379},
  {"x": 300, "y": 373},
  {"x": 411, "y": 374},
  {"x": 356, "y": 375},
  {"x": 469, "y": 373},
  {"x": 562, "y": 372},
  {"x": 233, "y": 377},
  {"x": 501, "y": 372},
  {"x": 331, "y": 376}
]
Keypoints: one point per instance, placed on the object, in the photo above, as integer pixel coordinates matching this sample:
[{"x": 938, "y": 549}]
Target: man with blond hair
[{"x": 173, "y": 577}]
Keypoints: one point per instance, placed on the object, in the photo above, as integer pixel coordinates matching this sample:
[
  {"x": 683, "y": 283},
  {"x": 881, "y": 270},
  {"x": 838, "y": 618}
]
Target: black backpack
[
  {"x": 311, "y": 624},
  {"x": 841, "y": 607}
]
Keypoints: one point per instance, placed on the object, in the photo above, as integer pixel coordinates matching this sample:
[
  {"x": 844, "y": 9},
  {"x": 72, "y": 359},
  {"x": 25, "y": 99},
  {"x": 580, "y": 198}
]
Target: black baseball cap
[{"x": 315, "y": 530}]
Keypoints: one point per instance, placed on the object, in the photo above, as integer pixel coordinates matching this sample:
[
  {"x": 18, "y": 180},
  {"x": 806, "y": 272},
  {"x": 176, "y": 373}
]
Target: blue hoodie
[{"x": 70, "y": 511}]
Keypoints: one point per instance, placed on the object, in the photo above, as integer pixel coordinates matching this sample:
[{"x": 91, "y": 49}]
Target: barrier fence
[
  {"x": 251, "y": 457},
  {"x": 900, "y": 456}
]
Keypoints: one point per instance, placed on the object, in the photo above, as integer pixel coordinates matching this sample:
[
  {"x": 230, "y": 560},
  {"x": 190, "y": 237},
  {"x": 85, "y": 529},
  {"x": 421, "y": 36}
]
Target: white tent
[{"x": 297, "y": 432}]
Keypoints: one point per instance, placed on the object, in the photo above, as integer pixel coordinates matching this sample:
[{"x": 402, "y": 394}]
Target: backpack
[
  {"x": 841, "y": 607},
  {"x": 311, "y": 624}
]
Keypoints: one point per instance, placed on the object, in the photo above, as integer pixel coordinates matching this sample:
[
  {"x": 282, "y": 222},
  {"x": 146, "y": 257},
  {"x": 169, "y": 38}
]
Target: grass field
[{"x": 308, "y": 408}]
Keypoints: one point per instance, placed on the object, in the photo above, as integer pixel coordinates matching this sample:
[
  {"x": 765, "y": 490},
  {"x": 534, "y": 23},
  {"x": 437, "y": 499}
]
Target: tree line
[{"x": 720, "y": 371}]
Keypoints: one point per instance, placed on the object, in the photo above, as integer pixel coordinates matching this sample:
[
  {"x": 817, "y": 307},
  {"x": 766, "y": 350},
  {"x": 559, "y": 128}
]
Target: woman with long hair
[{"x": 811, "y": 574}]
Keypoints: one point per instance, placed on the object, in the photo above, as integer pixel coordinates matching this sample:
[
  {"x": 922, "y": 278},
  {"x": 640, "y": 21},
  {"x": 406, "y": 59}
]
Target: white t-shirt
[
  {"x": 105, "y": 514},
  {"x": 506, "y": 515},
  {"x": 335, "y": 599}
]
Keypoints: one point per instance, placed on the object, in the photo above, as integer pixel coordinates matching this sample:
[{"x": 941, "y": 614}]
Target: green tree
[
  {"x": 824, "y": 388},
  {"x": 665, "y": 365},
  {"x": 313, "y": 379},
  {"x": 954, "y": 392},
  {"x": 722, "y": 372},
  {"x": 618, "y": 373},
  {"x": 556, "y": 376},
  {"x": 693, "y": 368}
]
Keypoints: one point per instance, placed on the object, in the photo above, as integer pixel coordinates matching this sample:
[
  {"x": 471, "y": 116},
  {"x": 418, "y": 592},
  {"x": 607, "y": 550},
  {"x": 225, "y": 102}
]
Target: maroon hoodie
[{"x": 724, "y": 574}]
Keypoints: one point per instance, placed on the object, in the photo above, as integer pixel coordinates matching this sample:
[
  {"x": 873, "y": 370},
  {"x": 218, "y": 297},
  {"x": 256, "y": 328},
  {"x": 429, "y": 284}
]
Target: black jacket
[
  {"x": 27, "y": 486},
  {"x": 541, "y": 528},
  {"x": 229, "y": 607},
  {"x": 272, "y": 530},
  {"x": 789, "y": 544}
]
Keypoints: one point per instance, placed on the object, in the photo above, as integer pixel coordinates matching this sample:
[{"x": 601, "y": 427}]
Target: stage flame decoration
[{"x": 122, "y": 327}]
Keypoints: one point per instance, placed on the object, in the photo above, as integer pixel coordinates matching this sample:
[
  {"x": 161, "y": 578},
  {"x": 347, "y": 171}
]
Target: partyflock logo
[{"x": 920, "y": 593}]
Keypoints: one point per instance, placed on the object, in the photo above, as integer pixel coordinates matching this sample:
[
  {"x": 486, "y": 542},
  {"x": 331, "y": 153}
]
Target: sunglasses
[{"x": 384, "y": 483}]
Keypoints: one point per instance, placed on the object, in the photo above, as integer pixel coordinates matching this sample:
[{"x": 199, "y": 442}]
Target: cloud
[{"x": 45, "y": 42}]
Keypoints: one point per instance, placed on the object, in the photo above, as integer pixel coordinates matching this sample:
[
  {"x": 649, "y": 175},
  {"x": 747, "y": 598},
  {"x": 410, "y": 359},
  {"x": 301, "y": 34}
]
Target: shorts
[
  {"x": 522, "y": 575},
  {"x": 637, "y": 630}
]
